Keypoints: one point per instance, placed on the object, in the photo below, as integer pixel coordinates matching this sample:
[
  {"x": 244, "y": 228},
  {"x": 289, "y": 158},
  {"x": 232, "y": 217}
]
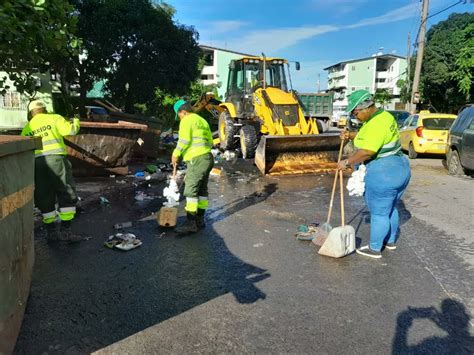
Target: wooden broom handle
[
  {"x": 341, "y": 185},
  {"x": 175, "y": 167},
  {"x": 335, "y": 183}
]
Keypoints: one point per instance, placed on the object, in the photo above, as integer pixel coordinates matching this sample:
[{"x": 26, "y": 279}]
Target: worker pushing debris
[{"x": 194, "y": 147}]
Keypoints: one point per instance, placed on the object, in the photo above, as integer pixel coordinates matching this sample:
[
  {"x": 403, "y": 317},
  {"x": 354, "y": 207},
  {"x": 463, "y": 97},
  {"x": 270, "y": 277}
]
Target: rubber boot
[
  {"x": 189, "y": 227},
  {"x": 67, "y": 235},
  {"x": 52, "y": 234},
  {"x": 200, "y": 222}
]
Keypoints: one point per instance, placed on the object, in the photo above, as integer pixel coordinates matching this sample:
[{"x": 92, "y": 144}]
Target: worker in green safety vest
[
  {"x": 53, "y": 174},
  {"x": 194, "y": 147}
]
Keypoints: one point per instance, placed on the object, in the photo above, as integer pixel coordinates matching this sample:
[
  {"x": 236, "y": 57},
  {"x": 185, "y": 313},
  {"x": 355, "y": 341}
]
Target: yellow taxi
[{"x": 426, "y": 133}]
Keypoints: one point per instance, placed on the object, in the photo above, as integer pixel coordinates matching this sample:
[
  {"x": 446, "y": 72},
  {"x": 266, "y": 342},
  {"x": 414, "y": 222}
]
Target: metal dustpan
[{"x": 341, "y": 240}]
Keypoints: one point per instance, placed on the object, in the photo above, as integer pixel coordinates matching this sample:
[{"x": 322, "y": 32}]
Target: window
[
  {"x": 13, "y": 101},
  {"x": 207, "y": 77},
  {"x": 353, "y": 88},
  {"x": 414, "y": 121},
  {"x": 208, "y": 58},
  {"x": 380, "y": 80},
  {"x": 353, "y": 68}
]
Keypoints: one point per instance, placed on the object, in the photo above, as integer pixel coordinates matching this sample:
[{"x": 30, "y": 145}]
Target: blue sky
[{"x": 315, "y": 32}]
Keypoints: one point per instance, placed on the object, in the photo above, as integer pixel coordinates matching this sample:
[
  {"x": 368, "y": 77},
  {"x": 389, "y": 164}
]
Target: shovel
[
  {"x": 325, "y": 228},
  {"x": 341, "y": 240}
]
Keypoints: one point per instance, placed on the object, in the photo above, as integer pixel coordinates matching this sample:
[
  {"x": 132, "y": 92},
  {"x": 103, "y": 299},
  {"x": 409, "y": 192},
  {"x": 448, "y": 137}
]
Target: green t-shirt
[{"x": 379, "y": 134}]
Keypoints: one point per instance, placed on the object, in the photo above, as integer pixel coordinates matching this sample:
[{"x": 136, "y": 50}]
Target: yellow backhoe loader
[{"x": 268, "y": 120}]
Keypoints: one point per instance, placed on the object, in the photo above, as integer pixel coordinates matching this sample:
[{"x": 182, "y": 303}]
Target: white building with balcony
[{"x": 380, "y": 71}]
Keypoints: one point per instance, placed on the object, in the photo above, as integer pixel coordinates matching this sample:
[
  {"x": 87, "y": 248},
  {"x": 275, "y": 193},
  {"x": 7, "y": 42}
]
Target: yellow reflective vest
[
  {"x": 195, "y": 137},
  {"x": 51, "y": 128}
]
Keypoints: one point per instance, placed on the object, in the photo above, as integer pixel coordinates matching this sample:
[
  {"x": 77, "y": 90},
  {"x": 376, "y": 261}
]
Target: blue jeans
[{"x": 385, "y": 182}]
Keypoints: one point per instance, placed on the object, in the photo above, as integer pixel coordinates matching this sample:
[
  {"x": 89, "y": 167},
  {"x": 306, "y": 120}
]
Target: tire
[
  {"x": 248, "y": 141},
  {"x": 454, "y": 163},
  {"x": 412, "y": 154},
  {"x": 323, "y": 126},
  {"x": 227, "y": 131}
]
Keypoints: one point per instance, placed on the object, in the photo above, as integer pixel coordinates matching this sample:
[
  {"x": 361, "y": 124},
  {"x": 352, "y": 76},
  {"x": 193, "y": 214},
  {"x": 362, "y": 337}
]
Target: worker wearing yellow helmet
[
  {"x": 388, "y": 170},
  {"x": 194, "y": 148},
  {"x": 54, "y": 183}
]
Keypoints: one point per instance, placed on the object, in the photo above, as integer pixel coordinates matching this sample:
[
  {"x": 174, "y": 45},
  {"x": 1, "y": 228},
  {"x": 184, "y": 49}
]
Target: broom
[{"x": 324, "y": 230}]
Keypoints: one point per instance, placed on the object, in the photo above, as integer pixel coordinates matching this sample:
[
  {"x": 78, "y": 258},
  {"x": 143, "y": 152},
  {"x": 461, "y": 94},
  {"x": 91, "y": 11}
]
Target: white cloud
[
  {"x": 402, "y": 13},
  {"x": 226, "y": 26},
  {"x": 272, "y": 40}
]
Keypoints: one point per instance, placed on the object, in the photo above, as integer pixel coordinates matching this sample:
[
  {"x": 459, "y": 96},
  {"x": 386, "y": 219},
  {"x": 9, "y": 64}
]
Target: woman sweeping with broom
[{"x": 388, "y": 171}]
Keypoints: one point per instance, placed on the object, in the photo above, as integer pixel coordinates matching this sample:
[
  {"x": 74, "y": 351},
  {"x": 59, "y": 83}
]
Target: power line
[
  {"x": 436, "y": 13},
  {"x": 450, "y": 6}
]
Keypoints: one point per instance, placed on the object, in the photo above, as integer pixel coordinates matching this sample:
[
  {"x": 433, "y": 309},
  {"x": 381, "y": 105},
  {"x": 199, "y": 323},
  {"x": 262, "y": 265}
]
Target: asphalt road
[{"x": 244, "y": 284}]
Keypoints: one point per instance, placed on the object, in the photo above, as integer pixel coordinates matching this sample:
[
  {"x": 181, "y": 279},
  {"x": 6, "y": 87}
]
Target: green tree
[
  {"x": 382, "y": 97},
  {"x": 34, "y": 33},
  {"x": 448, "y": 69},
  {"x": 137, "y": 47},
  {"x": 464, "y": 65}
]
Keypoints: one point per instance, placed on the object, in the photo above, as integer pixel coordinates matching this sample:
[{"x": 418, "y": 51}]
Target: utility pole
[
  {"x": 421, "y": 49},
  {"x": 319, "y": 82},
  {"x": 408, "y": 106}
]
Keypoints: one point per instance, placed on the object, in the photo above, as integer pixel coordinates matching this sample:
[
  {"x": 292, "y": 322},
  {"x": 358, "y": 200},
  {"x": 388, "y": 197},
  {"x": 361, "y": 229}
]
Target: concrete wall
[
  {"x": 17, "y": 117},
  {"x": 16, "y": 233}
]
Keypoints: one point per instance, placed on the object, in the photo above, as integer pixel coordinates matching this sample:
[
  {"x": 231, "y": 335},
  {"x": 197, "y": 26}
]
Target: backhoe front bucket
[{"x": 303, "y": 154}]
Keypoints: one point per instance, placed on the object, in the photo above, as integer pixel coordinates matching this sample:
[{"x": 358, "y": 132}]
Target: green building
[
  {"x": 14, "y": 106},
  {"x": 380, "y": 71},
  {"x": 216, "y": 66}
]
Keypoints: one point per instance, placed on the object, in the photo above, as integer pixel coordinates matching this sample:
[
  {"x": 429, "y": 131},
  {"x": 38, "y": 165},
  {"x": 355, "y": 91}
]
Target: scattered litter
[
  {"x": 152, "y": 168},
  {"x": 103, "y": 201},
  {"x": 79, "y": 198},
  {"x": 228, "y": 155},
  {"x": 303, "y": 228},
  {"x": 139, "y": 174},
  {"x": 121, "y": 182},
  {"x": 140, "y": 141},
  {"x": 141, "y": 196},
  {"x": 126, "y": 242},
  {"x": 162, "y": 235},
  {"x": 171, "y": 192},
  {"x": 123, "y": 225},
  {"x": 356, "y": 184},
  {"x": 166, "y": 133},
  {"x": 112, "y": 176},
  {"x": 258, "y": 245},
  {"x": 266, "y": 231},
  {"x": 215, "y": 152},
  {"x": 216, "y": 172},
  {"x": 148, "y": 177},
  {"x": 306, "y": 231}
]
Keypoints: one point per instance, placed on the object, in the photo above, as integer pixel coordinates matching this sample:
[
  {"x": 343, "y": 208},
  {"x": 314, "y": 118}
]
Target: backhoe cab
[{"x": 268, "y": 120}]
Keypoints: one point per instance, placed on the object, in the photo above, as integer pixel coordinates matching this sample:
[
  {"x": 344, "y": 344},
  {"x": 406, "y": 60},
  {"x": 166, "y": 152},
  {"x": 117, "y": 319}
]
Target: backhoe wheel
[
  {"x": 412, "y": 154},
  {"x": 227, "y": 131},
  {"x": 248, "y": 141}
]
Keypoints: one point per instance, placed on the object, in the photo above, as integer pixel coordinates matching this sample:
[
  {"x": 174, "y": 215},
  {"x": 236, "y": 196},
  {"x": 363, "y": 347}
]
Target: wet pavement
[{"x": 244, "y": 284}]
